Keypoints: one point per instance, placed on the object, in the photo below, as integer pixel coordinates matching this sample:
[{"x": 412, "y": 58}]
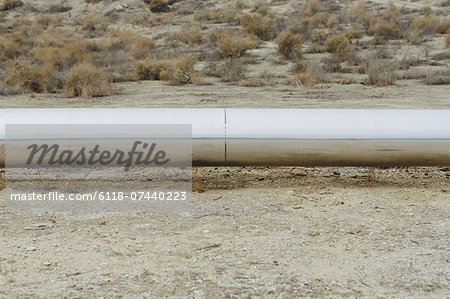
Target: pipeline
[{"x": 280, "y": 137}]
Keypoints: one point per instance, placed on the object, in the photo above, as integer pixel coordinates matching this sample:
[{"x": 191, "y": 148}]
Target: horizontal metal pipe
[{"x": 292, "y": 137}]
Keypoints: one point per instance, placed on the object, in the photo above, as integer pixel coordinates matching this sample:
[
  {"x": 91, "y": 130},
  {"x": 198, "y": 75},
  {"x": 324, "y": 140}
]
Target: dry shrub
[
  {"x": 333, "y": 21},
  {"x": 352, "y": 34},
  {"x": 239, "y": 4},
  {"x": 85, "y": 80},
  {"x": 443, "y": 27},
  {"x": 392, "y": 14},
  {"x": 20, "y": 74},
  {"x": 192, "y": 36},
  {"x": 338, "y": 45},
  {"x": 62, "y": 58},
  {"x": 331, "y": 64},
  {"x": 178, "y": 71},
  {"x": 213, "y": 36},
  {"x": 261, "y": 8},
  {"x": 10, "y": 4},
  {"x": 302, "y": 27},
  {"x": 290, "y": 45},
  {"x": 437, "y": 77},
  {"x": 447, "y": 40},
  {"x": 262, "y": 27},
  {"x": 141, "y": 46},
  {"x": 118, "y": 40},
  {"x": 150, "y": 69},
  {"x": 320, "y": 19},
  {"x": 383, "y": 31},
  {"x": 43, "y": 21},
  {"x": 368, "y": 21},
  {"x": 91, "y": 23},
  {"x": 380, "y": 72},
  {"x": 181, "y": 72},
  {"x": 422, "y": 28},
  {"x": 52, "y": 37},
  {"x": 231, "y": 46},
  {"x": 311, "y": 7},
  {"x": 118, "y": 66},
  {"x": 159, "y": 6},
  {"x": 9, "y": 47},
  {"x": 357, "y": 11},
  {"x": 354, "y": 58},
  {"x": 319, "y": 37},
  {"x": 310, "y": 74},
  {"x": 233, "y": 71}
]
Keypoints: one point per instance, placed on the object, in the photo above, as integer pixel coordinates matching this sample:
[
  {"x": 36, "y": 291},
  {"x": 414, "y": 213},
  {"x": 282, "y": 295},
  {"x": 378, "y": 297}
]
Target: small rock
[{"x": 31, "y": 249}]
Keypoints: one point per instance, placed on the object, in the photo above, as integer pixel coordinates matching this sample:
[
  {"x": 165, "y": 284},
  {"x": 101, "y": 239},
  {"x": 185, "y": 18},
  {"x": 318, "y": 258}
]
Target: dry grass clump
[
  {"x": 239, "y": 4},
  {"x": 338, "y": 45},
  {"x": 62, "y": 58},
  {"x": 10, "y": 4},
  {"x": 421, "y": 28},
  {"x": 217, "y": 16},
  {"x": 357, "y": 10},
  {"x": 95, "y": 26},
  {"x": 159, "y": 6},
  {"x": 150, "y": 69},
  {"x": 352, "y": 34},
  {"x": 319, "y": 37},
  {"x": 437, "y": 78},
  {"x": 303, "y": 27},
  {"x": 232, "y": 70},
  {"x": 290, "y": 45},
  {"x": 11, "y": 46},
  {"x": 141, "y": 46},
  {"x": 231, "y": 46},
  {"x": 85, "y": 80},
  {"x": 380, "y": 72},
  {"x": 443, "y": 27},
  {"x": 310, "y": 74},
  {"x": 192, "y": 36},
  {"x": 384, "y": 31},
  {"x": 118, "y": 40},
  {"x": 21, "y": 75},
  {"x": 261, "y": 7},
  {"x": 324, "y": 19},
  {"x": 447, "y": 40},
  {"x": 182, "y": 71},
  {"x": 311, "y": 7},
  {"x": 261, "y": 27},
  {"x": 43, "y": 21},
  {"x": 177, "y": 71}
]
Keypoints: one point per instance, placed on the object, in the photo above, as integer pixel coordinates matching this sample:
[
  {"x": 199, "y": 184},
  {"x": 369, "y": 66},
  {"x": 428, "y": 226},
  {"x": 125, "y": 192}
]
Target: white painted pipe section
[{"x": 295, "y": 137}]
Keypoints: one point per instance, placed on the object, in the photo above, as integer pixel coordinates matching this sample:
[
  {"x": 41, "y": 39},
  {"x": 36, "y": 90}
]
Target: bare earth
[{"x": 258, "y": 232}]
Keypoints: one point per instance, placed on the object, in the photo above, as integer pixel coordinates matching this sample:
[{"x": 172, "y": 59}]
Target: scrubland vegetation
[{"x": 80, "y": 48}]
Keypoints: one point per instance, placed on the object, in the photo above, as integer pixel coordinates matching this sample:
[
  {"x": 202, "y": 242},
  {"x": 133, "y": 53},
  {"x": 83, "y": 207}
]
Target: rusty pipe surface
[{"x": 277, "y": 137}]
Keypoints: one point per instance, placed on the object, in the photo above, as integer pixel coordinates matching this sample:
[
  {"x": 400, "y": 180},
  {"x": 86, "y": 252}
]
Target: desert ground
[{"x": 256, "y": 231}]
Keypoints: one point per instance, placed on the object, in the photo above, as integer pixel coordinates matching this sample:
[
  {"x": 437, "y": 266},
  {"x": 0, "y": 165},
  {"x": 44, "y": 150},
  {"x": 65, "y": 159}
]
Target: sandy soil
[
  {"x": 405, "y": 95},
  {"x": 259, "y": 232}
]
